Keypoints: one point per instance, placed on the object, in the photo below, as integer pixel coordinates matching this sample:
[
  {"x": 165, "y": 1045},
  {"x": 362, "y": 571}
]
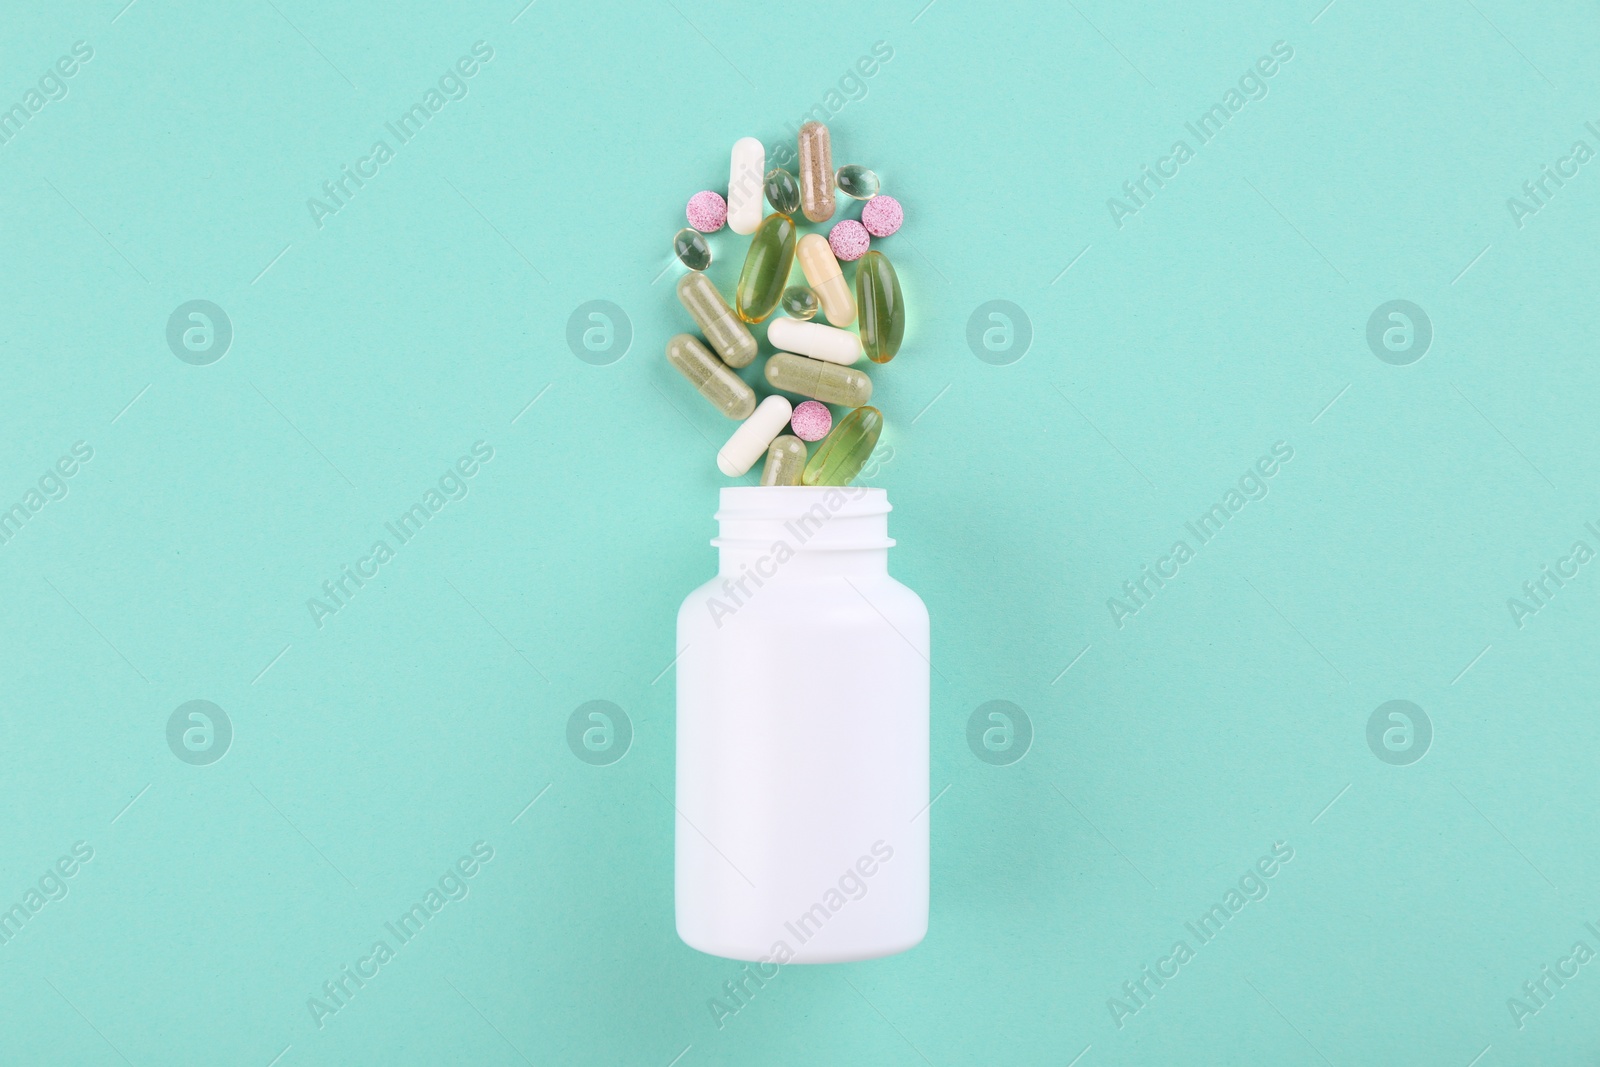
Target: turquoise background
[{"x": 1228, "y": 314}]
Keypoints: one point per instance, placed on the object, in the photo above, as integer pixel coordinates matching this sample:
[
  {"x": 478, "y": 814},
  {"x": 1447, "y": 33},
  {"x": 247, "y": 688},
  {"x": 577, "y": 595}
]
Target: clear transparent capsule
[
  {"x": 827, "y": 382},
  {"x": 856, "y": 181},
  {"x": 846, "y": 450},
  {"x": 691, "y": 248},
  {"x": 799, "y": 302},
  {"x": 727, "y": 392},
  {"x": 783, "y": 192},
  {"x": 786, "y": 461},
  {"x": 730, "y": 337}
]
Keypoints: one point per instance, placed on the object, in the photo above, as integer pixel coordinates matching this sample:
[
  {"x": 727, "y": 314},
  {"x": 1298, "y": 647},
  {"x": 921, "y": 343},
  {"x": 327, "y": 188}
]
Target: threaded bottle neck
[{"x": 803, "y": 530}]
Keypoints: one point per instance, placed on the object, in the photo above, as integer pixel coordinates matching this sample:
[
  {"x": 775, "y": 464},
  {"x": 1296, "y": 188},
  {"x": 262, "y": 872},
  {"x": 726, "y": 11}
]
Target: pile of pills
[{"x": 812, "y": 359}]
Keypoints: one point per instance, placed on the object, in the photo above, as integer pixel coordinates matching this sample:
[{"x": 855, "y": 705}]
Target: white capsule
[
  {"x": 749, "y": 442},
  {"x": 815, "y": 340},
  {"x": 745, "y": 174}
]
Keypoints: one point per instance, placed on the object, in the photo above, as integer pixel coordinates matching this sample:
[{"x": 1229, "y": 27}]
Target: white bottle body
[{"x": 802, "y": 749}]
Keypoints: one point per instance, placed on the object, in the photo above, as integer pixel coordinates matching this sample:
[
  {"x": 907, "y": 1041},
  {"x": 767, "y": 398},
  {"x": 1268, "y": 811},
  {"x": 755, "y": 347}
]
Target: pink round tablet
[
  {"x": 707, "y": 211},
  {"x": 849, "y": 240},
  {"x": 882, "y": 215},
  {"x": 811, "y": 420}
]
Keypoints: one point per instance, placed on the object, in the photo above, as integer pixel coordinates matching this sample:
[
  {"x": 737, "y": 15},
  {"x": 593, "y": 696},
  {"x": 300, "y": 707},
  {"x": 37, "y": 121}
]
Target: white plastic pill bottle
[{"x": 802, "y": 773}]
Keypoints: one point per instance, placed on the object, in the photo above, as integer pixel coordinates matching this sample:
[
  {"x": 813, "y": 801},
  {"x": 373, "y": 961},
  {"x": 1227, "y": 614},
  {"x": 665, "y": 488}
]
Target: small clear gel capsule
[
  {"x": 730, "y": 337},
  {"x": 691, "y": 248},
  {"x": 745, "y": 169},
  {"x": 816, "y": 172},
  {"x": 813, "y": 339},
  {"x": 753, "y": 436},
  {"x": 846, "y": 450},
  {"x": 882, "y": 308},
  {"x": 783, "y": 192},
  {"x": 766, "y": 268},
  {"x": 827, "y": 382},
  {"x": 799, "y": 302},
  {"x": 856, "y": 181},
  {"x": 727, "y": 392},
  {"x": 822, "y": 271},
  {"x": 786, "y": 461}
]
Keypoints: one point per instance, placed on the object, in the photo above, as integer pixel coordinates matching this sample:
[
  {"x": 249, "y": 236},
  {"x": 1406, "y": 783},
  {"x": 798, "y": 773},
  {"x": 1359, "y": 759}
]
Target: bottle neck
[
  {"x": 768, "y": 533},
  {"x": 772, "y": 563}
]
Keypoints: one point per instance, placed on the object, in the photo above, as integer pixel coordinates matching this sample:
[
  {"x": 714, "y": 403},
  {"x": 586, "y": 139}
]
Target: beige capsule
[
  {"x": 730, "y": 337},
  {"x": 825, "y": 277},
  {"x": 786, "y": 461},
  {"x": 816, "y": 172},
  {"x": 726, "y": 390},
  {"x": 827, "y": 382}
]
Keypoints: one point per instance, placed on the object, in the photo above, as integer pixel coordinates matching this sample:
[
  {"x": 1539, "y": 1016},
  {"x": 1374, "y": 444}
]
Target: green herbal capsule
[
  {"x": 786, "y": 459},
  {"x": 725, "y": 389},
  {"x": 827, "y": 382},
  {"x": 881, "y": 307},
  {"x": 783, "y": 192},
  {"x": 766, "y": 268},
  {"x": 846, "y": 450},
  {"x": 730, "y": 337}
]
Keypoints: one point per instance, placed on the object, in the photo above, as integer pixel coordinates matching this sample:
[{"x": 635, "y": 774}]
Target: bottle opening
[{"x": 825, "y": 517}]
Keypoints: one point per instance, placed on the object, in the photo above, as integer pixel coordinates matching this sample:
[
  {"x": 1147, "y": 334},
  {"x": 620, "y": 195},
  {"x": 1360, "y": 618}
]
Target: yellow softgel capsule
[
  {"x": 786, "y": 460},
  {"x": 846, "y": 450},
  {"x": 827, "y": 382},
  {"x": 816, "y": 172},
  {"x": 823, "y": 273},
  {"x": 883, "y": 309},
  {"x": 766, "y": 269},
  {"x": 726, "y": 390},
  {"x": 730, "y": 337}
]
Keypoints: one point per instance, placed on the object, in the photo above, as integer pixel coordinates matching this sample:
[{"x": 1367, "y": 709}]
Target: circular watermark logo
[
  {"x": 1399, "y": 332},
  {"x": 599, "y": 732},
  {"x": 1399, "y": 732},
  {"x": 199, "y": 332},
  {"x": 599, "y": 332},
  {"x": 999, "y": 733},
  {"x": 999, "y": 332},
  {"x": 199, "y": 732}
]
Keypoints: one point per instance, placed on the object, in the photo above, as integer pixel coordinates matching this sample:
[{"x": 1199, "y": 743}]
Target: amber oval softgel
[
  {"x": 827, "y": 382},
  {"x": 730, "y": 337},
  {"x": 881, "y": 307},
  {"x": 822, "y": 271},
  {"x": 816, "y": 172},
  {"x": 786, "y": 461},
  {"x": 783, "y": 192},
  {"x": 766, "y": 269},
  {"x": 846, "y": 450},
  {"x": 726, "y": 390}
]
